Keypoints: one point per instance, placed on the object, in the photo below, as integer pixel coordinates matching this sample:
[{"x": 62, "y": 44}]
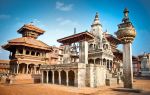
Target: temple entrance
[
  {"x": 56, "y": 77},
  {"x": 22, "y": 68},
  {"x": 50, "y": 77},
  {"x": 63, "y": 77},
  {"x": 44, "y": 76},
  {"x": 71, "y": 77}
]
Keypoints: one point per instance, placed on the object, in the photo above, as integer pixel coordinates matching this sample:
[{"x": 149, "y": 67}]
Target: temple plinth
[{"x": 126, "y": 33}]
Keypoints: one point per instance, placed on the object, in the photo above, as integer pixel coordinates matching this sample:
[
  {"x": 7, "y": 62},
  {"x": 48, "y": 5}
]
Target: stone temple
[{"x": 85, "y": 59}]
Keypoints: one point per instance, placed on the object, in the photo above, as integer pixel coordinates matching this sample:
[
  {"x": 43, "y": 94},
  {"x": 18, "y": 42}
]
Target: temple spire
[{"x": 96, "y": 20}]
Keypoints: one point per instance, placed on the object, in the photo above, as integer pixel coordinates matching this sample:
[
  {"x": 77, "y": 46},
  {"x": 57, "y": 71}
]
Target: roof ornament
[
  {"x": 74, "y": 30},
  {"x": 126, "y": 18},
  {"x": 96, "y": 20}
]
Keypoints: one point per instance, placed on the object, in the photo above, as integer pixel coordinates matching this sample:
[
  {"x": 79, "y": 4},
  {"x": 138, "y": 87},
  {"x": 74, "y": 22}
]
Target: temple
[{"x": 84, "y": 59}]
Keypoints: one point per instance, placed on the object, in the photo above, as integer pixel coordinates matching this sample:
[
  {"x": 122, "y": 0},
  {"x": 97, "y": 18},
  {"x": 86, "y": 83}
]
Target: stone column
[
  {"x": 42, "y": 76},
  {"x": 53, "y": 78},
  {"x": 83, "y": 52},
  {"x": 34, "y": 69},
  {"x": 67, "y": 78},
  {"x": 47, "y": 77},
  {"x": 110, "y": 67},
  {"x": 59, "y": 78},
  {"x": 27, "y": 69},
  {"x": 127, "y": 65},
  {"x": 17, "y": 68}
]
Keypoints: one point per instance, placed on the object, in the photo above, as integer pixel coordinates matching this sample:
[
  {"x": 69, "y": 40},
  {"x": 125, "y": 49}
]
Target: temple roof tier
[
  {"x": 29, "y": 42},
  {"x": 76, "y": 38},
  {"x": 32, "y": 28}
]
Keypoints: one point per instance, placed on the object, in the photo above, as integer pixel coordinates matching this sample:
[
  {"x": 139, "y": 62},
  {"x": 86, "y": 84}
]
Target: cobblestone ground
[{"x": 47, "y": 89}]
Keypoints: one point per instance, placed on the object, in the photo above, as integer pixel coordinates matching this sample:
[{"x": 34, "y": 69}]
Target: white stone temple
[{"x": 145, "y": 65}]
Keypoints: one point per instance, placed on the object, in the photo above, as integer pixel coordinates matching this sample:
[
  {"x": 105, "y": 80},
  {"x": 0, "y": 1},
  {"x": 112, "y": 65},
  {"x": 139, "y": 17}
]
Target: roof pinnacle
[{"x": 96, "y": 20}]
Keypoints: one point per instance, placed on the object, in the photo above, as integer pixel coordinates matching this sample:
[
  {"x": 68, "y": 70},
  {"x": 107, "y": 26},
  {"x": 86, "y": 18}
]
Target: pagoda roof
[
  {"x": 32, "y": 28},
  {"x": 76, "y": 38},
  {"x": 112, "y": 39},
  {"x": 4, "y": 61},
  {"x": 27, "y": 41}
]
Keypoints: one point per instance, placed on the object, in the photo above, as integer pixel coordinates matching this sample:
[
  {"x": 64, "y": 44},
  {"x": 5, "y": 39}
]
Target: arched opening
[
  {"x": 97, "y": 61},
  {"x": 22, "y": 68},
  {"x": 31, "y": 68},
  {"x": 56, "y": 77},
  {"x": 32, "y": 53},
  {"x": 20, "y": 51},
  {"x": 91, "y": 61},
  {"x": 27, "y": 52},
  {"x": 50, "y": 77},
  {"x": 37, "y": 54},
  {"x": 104, "y": 61},
  {"x": 108, "y": 64},
  {"x": 63, "y": 77},
  {"x": 71, "y": 77},
  {"x": 44, "y": 76},
  {"x": 90, "y": 46}
]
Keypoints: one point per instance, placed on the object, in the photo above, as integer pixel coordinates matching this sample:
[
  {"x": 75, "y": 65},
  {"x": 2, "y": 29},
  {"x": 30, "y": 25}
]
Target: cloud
[
  {"x": 4, "y": 16},
  {"x": 66, "y": 22},
  {"x": 63, "y": 7}
]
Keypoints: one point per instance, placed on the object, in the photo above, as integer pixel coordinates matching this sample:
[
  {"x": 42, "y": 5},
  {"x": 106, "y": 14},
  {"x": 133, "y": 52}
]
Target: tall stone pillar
[
  {"x": 127, "y": 65},
  {"x": 83, "y": 54},
  {"x": 126, "y": 33}
]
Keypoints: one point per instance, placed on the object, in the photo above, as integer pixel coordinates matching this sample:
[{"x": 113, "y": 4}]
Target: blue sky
[{"x": 59, "y": 17}]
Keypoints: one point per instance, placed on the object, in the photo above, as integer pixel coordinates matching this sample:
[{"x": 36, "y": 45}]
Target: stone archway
[
  {"x": 71, "y": 78},
  {"x": 50, "y": 74},
  {"x": 104, "y": 61},
  {"x": 22, "y": 68},
  {"x": 108, "y": 64},
  {"x": 97, "y": 61},
  {"x": 56, "y": 77},
  {"x": 91, "y": 61},
  {"x": 63, "y": 77},
  {"x": 44, "y": 76}
]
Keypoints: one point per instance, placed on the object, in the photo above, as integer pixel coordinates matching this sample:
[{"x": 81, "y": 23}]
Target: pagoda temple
[{"x": 27, "y": 53}]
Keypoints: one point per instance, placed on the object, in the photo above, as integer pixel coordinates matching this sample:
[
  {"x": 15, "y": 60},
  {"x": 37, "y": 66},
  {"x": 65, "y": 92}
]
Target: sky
[{"x": 59, "y": 18}]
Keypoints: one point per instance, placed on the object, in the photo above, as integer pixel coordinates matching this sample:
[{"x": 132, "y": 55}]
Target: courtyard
[{"x": 51, "y": 89}]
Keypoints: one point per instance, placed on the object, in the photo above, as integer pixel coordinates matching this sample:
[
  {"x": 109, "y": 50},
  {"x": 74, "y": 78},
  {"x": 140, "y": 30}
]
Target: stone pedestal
[{"x": 127, "y": 65}]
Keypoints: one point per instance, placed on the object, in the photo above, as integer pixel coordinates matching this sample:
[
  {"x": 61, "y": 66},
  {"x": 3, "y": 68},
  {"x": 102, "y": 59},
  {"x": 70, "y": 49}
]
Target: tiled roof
[
  {"x": 4, "y": 61},
  {"x": 30, "y": 42},
  {"x": 32, "y": 28}
]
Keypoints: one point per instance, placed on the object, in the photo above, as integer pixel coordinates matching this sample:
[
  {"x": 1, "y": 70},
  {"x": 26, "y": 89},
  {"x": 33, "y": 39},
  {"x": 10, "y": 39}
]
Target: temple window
[
  {"x": 37, "y": 54},
  {"x": 27, "y": 52},
  {"x": 32, "y": 53},
  {"x": 20, "y": 51}
]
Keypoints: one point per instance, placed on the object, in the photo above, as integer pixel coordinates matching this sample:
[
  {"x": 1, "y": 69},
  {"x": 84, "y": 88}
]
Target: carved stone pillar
[{"x": 127, "y": 65}]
